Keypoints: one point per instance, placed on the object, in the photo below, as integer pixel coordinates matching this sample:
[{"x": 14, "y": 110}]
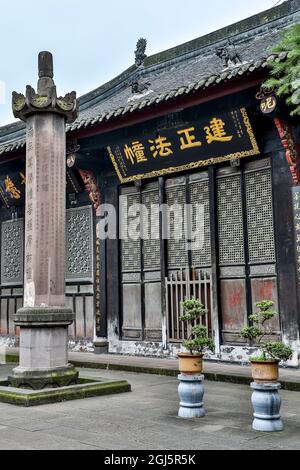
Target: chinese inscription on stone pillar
[{"x": 45, "y": 115}]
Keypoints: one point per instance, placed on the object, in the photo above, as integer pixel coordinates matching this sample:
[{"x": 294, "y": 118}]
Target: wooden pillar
[
  {"x": 284, "y": 229},
  {"x": 163, "y": 262},
  {"x": 216, "y": 316},
  {"x": 114, "y": 319}
]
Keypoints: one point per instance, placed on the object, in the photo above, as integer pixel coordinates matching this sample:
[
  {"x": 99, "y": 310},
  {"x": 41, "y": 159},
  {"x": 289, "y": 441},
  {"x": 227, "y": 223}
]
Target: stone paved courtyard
[{"x": 146, "y": 419}]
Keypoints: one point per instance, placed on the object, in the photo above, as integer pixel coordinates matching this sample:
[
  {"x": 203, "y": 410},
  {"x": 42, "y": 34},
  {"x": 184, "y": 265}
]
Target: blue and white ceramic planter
[
  {"x": 191, "y": 394},
  {"x": 266, "y": 403}
]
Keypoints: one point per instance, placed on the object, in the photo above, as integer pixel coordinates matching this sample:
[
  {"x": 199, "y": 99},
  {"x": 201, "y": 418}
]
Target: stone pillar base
[
  {"x": 191, "y": 393},
  {"x": 266, "y": 403},
  {"x": 41, "y": 379},
  {"x": 43, "y": 349},
  {"x": 101, "y": 346}
]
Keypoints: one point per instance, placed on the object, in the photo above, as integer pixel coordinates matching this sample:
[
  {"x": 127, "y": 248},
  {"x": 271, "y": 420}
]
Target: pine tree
[{"x": 285, "y": 74}]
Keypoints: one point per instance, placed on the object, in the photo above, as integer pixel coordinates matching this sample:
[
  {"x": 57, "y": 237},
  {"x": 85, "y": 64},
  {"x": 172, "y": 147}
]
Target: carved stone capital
[
  {"x": 45, "y": 100},
  {"x": 33, "y": 103}
]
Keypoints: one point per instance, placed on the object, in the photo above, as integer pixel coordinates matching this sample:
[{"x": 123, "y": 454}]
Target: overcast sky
[{"x": 94, "y": 40}]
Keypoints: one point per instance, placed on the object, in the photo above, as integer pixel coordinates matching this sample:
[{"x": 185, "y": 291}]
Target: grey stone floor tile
[{"x": 146, "y": 419}]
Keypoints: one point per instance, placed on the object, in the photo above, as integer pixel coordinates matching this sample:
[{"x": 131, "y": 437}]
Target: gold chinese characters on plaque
[{"x": 208, "y": 141}]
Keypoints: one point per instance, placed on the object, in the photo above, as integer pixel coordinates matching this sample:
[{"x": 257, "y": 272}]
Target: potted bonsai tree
[
  {"x": 265, "y": 367},
  {"x": 191, "y": 362}
]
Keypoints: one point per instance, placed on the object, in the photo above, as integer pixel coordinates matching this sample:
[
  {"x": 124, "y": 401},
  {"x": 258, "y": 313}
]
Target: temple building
[{"x": 186, "y": 146}]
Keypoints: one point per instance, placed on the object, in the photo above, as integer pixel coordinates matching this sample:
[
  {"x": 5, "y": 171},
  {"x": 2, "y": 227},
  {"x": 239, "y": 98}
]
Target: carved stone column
[{"x": 44, "y": 320}]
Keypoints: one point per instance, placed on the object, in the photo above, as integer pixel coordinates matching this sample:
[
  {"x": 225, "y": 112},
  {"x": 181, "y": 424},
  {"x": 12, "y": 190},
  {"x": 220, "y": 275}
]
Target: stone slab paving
[{"x": 146, "y": 419}]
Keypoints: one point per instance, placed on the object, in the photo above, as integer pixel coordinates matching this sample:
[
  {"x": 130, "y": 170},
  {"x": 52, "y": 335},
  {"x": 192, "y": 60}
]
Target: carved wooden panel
[
  {"x": 266, "y": 289},
  {"x": 177, "y": 247},
  {"x": 230, "y": 216},
  {"x": 261, "y": 238},
  {"x": 132, "y": 311},
  {"x": 201, "y": 238},
  {"x": 151, "y": 252},
  {"x": 234, "y": 304},
  {"x": 131, "y": 245}
]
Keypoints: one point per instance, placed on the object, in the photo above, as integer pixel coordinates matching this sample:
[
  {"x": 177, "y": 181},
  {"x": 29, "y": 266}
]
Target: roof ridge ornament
[
  {"x": 140, "y": 53},
  {"x": 46, "y": 99},
  {"x": 229, "y": 55},
  {"x": 138, "y": 87}
]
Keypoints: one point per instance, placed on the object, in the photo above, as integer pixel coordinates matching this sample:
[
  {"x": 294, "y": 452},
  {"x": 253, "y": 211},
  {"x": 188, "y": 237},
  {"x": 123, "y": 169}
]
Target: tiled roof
[
  {"x": 203, "y": 84},
  {"x": 180, "y": 71},
  {"x": 6, "y": 148}
]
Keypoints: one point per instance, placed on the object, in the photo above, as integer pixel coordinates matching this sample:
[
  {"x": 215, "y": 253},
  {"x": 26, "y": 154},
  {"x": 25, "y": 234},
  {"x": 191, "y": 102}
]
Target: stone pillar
[{"x": 44, "y": 320}]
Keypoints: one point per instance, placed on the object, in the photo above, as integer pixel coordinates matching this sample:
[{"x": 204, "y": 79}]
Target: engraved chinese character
[
  {"x": 30, "y": 209},
  {"x": 135, "y": 153},
  {"x": 30, "y": 162},
  {"x": 29, "y": 273},
  {"x": 28, "y": 259},
  {"x": 30, "y": 131},
  {"x": 188, "y": 139},
  {"x": 29, "y": 225},
  {"x": 11, "y": 189},
  {"x": 29, "y": 241},
  {"x": 30, "y": 194},
  {"x": 161, "y": 147},
  {"x": 215, "y": 132}
]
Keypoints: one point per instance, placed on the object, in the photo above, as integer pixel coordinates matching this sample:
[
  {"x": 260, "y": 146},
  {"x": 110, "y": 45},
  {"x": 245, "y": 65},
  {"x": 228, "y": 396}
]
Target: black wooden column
[
  {"x": 113, "y": 264},
  {"x": 286, "y": 256},
  {"x": 163, "y": 262},
  {"x": 216, "y": 311},
  {"x": 102, "y": 255}
]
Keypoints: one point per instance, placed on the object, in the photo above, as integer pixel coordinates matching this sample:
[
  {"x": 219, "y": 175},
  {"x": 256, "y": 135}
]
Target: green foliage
[
  {"x": 279, "y": 351},
  {"x": 200, "y": 331},
  {"x": 265, "y": 305},
  {"x": 251, "y": 333},
  {"x": 261, "y": 358},
  {"x": 285, "y": 74},
  {"x": 192, "y": 310},
  {"x": 200, "y": 345},
  {"x": 255, "y": 334},
  {"x": 199, "y": 340}
]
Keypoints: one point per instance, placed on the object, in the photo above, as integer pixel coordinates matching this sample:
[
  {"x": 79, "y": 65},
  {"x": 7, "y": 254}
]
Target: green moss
[
  {"x": 11, "y": 359},
  {"x": 89, "y": 389}
]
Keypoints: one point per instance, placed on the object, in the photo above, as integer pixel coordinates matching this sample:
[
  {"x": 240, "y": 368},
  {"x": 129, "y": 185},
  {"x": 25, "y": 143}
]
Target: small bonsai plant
[
  {"x": 256, "y": 334},
  {"x": 199, "y": 341}
]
